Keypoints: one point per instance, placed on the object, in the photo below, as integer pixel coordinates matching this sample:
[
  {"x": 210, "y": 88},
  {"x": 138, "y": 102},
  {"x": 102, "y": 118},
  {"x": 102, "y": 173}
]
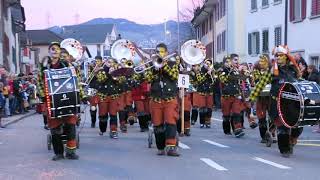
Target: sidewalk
[{"x": 13, "y": 119}]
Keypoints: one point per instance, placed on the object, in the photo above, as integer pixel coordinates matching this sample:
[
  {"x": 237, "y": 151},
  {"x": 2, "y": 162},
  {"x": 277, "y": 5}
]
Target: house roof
[
  {"x": 202, "y": 13},
  {"x": 88, "y": 34},
  {"x": 42, "y": 37}
]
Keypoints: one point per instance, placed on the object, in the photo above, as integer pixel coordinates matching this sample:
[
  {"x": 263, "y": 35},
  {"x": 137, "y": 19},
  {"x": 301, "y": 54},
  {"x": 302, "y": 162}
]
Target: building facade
[
  {"x": 220, "y": 24},
  {"x": 303, "y": 29},
  {"x": 12, "y": 20},
  {"x": 264, "y": 27}
]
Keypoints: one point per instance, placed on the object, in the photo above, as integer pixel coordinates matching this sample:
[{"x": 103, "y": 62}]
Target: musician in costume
[
  {"x": 231, "y": 96},
  {"x": 164, "y": 103},
  {"x": 108, "y": 96},
  {"x": 94, "y": 100},
  {"x": 193, "y": 80},
  {"x": 285, "y": 69},
  {"x": 140, "y": 96},
  {"x": 204, "y": 96},
  {"x": 246, "y": 83},
  {"x": 262, "y": 73},
  {"x": 125, "y": 101},
  {"x": 58, "y": 125}
]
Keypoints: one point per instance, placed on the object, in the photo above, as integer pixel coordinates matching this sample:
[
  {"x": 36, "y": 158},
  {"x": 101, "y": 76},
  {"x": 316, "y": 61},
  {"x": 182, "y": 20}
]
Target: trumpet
[{"x": 157, "y": 62}]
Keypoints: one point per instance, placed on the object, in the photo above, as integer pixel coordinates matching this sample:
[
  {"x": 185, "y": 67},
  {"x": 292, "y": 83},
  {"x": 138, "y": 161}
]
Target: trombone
[{"x": 157, "y": 62}]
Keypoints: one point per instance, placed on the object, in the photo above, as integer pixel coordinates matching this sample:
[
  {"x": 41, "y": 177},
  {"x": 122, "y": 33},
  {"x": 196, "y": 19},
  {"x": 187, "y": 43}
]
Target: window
[
  {"x": 222, "y": 8},
  {"x": 254, "y": 43},
  {"x": 298, "y": 10},
  {"x": 98, "y": 50},
  {"x": 221, "y": 42},
  {"x": 277, "y": 36},
  {"x": 265, "y": 41},
  {"x": 254, "y": 5},
  {"x": 277, "y": 2},
  {"x": 223, "y": 39},
  {"x": 315, "y": 61},
  {"x": 265, "y": 3},
  {"x": 315, "y": 8},
  {"x": 218, "y": 44}
]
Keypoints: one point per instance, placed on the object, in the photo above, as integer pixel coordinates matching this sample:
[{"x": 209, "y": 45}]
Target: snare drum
[
  {"x": 299, "y": 104},
  {"x": 266, "y": 91}
]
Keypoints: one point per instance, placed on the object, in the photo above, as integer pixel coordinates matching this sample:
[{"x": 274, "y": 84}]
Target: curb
[{"x": 19, "y": 119}]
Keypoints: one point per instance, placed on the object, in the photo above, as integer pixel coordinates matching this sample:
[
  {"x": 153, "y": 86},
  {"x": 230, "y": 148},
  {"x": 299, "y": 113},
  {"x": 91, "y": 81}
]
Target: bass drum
[{"x": 299, "y": 104}]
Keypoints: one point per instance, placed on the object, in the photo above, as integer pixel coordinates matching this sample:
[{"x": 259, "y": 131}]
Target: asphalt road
[{"x": 207, "y": 154}]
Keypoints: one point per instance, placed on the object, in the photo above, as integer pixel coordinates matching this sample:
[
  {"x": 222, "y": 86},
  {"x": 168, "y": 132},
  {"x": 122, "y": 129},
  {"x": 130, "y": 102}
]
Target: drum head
[{"x": 289, "y": 105}]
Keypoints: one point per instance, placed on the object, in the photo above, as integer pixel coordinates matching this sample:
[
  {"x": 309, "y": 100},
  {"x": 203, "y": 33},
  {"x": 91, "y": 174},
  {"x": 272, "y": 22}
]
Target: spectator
[
  {"x": 304, "y": 69},
  {"x": 2, "y": 102},
  {"x": 313, "y": 74}
]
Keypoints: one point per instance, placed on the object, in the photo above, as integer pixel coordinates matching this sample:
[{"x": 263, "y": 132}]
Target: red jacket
[{"x": 141, "y": 92}]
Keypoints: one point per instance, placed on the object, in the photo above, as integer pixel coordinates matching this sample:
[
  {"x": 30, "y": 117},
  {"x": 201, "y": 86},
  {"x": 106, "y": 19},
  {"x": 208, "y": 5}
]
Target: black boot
[
  {"x": 208, "y": 117},
  {"x": 57, "y": 146},
  {"x": 71, "y": 154},
  {"x": 226, "y": 125},
  {"x": 160, "y": 136},
  {"x": 93, "y": 118},
  {"x": 45, "y": 121},
  {"x": 143, "y": 123},
  {"x": 263, "y": 129},
  {"x": 194, "y": 116},
  {"x": 284, "y": 144},
  {"x": 202, "y": 119},
  {"x": 103, "y": 123}
]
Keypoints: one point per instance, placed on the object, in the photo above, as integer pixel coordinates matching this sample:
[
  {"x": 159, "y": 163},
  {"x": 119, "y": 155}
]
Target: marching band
[{"x": 122, "y": 92}]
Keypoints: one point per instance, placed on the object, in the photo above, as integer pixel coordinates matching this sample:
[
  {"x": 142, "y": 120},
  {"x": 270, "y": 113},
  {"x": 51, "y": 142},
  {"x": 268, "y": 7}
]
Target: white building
[
  {"x": 304, "y": 28},
  {"x": 225, "y": 28},
  {"x": 264, "y": 27},
  {"x": 98, "y": 38},
  {"x": 12, "y": 20}
]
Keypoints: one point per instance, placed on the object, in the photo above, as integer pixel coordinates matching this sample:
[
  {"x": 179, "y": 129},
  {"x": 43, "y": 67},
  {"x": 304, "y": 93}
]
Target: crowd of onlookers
[{"x": 16, "y": 94}]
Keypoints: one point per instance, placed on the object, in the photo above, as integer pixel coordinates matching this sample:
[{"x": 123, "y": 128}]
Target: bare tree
[{"x": 187, "y": 13}]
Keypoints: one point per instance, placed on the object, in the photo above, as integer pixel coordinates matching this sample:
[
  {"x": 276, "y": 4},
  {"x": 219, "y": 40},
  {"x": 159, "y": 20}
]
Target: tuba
[
  {"x": 73, "y": 47},
  {"x": 123, "y": 51},
  {"x": 193, "y": 52}
]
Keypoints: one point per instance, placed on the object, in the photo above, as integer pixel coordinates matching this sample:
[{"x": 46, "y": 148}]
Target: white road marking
[
  {"x": 308, "y": 140},
  {"x": 271, "y": 163},
  {"x": 183, "y": 146},
  {"x": 213, "y": 164},
  {"x": 215, "y": 143},
  {"x": 216, "y": 119}
]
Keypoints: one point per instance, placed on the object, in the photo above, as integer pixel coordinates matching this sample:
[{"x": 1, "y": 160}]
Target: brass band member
[
  {"x": 261, "y": 73},
  {"x": 286, "y": 70},
  {"x": 140, "y": 96},
  {"x": 231, "y": 96},
  {"x": 94, "y": 100},
  {"x": 193, "y": 79},
  {"x": 246, "y": 83},
  {"x": 204, "y": 96},
  {"x": 164, "y": 103},
  {"x": 108, "y": 97},
  {"x": 67, "y": 123},
  {"x": 125, "y": 100}
]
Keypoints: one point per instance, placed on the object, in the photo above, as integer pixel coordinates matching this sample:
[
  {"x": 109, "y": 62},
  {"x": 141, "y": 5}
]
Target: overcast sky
[{"x": 63, "y": 12}]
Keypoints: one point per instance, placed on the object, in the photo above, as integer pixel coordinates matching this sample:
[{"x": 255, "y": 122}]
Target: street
[{"x": 207, "y": 154}]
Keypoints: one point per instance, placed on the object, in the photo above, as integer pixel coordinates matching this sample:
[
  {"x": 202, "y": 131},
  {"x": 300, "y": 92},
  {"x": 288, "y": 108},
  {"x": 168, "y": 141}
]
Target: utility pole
[
  {"x": 178, "y": 12},
  {"x": 286, "y": 23}
]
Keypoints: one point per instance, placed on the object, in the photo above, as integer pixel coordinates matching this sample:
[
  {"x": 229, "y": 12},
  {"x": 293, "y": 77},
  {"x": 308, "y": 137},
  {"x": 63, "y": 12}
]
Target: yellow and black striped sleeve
[
  {"x": 264, "y": 80},
  {"x": 149, "y": 76},
  {"x": 200, "y": 77},
  {"x": 223, "y": 77},
  {"x": 173, "y": 71}
]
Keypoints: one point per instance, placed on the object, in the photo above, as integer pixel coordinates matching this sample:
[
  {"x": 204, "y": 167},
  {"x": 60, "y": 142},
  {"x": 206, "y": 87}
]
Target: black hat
[
  {"x": 98, "y": 57},
  {"x": 54, "y": 44}
]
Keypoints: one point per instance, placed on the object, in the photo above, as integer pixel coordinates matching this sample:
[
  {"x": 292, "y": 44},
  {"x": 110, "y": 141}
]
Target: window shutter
[
  {"x": 258, "y": 42},
  {"x": 303, "y": 9},
  {"x": 315, "y": 9},
  {"x": 291, "y": 10},
  {"x": 249, "y": 44}
]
